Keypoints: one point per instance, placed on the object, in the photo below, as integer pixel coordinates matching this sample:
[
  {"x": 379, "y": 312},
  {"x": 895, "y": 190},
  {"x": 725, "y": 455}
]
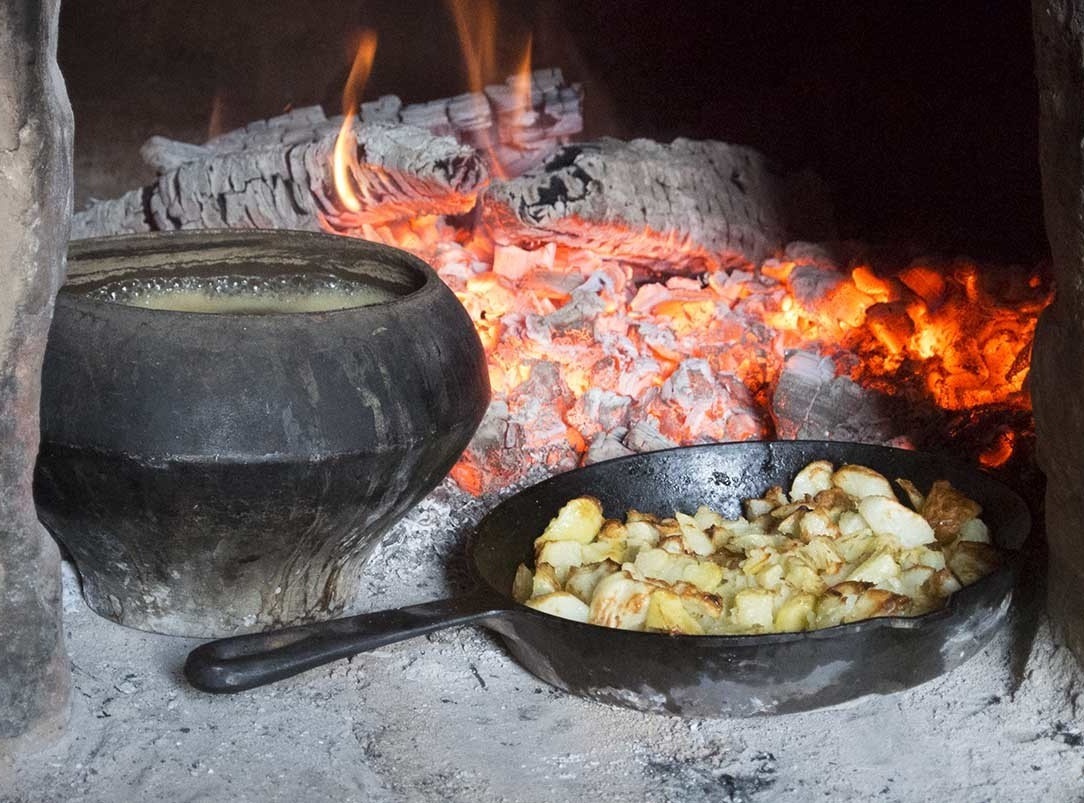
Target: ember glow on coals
[
  {"x": 589, "y": 359},
  {"x": 586, "y": 364}
]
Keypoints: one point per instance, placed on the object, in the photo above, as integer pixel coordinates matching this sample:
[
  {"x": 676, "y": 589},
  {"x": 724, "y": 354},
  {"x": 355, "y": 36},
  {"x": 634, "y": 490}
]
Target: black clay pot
[{"x": 214, "y": 474}]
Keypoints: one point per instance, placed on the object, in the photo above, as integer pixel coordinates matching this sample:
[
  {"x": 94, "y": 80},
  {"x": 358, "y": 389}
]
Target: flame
[
  {"x": 215, "y": 125},
  {"x": 476, "y": 25},
  {"x": 521, "y": 78},
  {"x": 345, "y": 158}
]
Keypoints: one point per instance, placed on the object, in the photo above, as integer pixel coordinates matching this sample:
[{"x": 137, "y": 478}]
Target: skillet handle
[{"x": 245, "y": 662}]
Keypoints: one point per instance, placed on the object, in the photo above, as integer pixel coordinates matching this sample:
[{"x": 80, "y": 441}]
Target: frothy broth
[{"x": 245, "y": 295}]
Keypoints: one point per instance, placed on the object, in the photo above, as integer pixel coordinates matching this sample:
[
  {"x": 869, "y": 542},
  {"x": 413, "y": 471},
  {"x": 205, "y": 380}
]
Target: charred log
[
  {"x": 279, "y": 182},
  {"x": 276, "y": 172},
  {"x": 699, "y": 205}
]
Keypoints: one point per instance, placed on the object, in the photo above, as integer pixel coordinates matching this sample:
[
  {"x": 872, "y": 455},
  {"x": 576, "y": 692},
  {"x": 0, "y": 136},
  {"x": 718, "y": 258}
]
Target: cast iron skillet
[{"x": 696, "y": 676}]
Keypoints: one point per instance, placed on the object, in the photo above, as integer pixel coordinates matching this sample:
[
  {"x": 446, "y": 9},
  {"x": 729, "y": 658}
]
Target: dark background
[{"x": 921, "y": 116}]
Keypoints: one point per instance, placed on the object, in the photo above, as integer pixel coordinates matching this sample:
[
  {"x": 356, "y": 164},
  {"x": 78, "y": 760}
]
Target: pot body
[{"x": 214, "y": 474}]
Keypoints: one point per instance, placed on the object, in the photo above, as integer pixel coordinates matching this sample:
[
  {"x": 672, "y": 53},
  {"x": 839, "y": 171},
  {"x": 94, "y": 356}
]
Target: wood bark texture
[
  {"x": 35, "y": 205},
  {"x": 811, "y": 402},
  {"x": 1057, "y": 373}
]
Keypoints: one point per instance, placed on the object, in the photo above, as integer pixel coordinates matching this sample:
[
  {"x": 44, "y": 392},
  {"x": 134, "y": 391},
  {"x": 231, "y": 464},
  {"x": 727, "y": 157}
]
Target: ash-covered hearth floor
[{"x": 454, "y": 718}]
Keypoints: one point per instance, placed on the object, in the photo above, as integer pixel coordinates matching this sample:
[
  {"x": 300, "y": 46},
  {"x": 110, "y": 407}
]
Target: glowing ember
[{"x": 585, "y": 364}]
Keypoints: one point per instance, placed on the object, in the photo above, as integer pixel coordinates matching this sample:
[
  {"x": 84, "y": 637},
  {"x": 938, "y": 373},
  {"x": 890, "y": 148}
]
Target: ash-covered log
[
  {"x": 420, "y": 159},
  {"x": 698, "y": 205},
  {"x": 400, "y": 172},
  {"x": 514, "y": 123}
]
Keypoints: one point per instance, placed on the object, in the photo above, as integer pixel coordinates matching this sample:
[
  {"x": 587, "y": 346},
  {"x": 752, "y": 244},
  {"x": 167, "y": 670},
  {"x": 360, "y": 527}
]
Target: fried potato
[
  {"x": 544, "y": 581},
  {"x": 811, "y": 480},
  {"x": 667, "y": 612},
  {"x": 754, "y": 508},
  {"x": 859, "y": 482},
  {"x": 523, "y": 584},
  {"x": 754, "y": 608},
  {"x": 971, "y": 560},
  {"x": 914, "y": 495},
  {"x": 696, "y": 540},
  {"x": 946, "y": 509},
  {"x": 822, "y": 555},
  {"x": 583, "y": 580},
  {"x": 705, "y": 575},
  {"x": 888, "y": 517},
  {"x": 561, "y": 604},
  {"x": 795, "y": 614},
  {"x": 706, "y": 518},
  {"x": 580, "y": 520},
  {"x": 852, "y": 523},
  {"x": 562, "y": 556},
  {"x": 975, "y": 530},
  {"x": 600, "y": 550},
  {"x": 839, "y": 548},
  {"x": 802, "y": 577},
  {"x": 817, "y": 523},
  {"x": 658, "y": 564},
  {"x": 942, "y": 583},
  {"x": 620, "y": 601},
  {"x": 879, "y": 570},
  {"x": 639, "y": 535}
]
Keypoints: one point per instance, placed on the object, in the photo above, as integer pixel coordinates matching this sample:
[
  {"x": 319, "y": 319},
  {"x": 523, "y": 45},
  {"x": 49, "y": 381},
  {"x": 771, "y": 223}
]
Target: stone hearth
[{"x": 452, "y": 717}]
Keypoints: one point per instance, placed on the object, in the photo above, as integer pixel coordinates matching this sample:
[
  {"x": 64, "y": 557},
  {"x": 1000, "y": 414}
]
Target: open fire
[
  {"x": 587, "y": 364},
  {"x": 588, "y": 360},
  {"x": 630, "y": 296}
]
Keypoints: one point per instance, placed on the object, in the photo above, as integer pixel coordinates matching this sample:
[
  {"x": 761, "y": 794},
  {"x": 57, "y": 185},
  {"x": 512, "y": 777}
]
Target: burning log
[
  {"x": 597, "y": 346},
  {"x": 400, "y": 172},
  {"x": 692, "y": 205},
  {"x": 502, "y": 118},
  {"x": 276, "y": 173}
]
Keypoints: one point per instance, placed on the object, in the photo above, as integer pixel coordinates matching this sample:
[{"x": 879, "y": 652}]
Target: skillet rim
[{"x": 1007, "y": 572}]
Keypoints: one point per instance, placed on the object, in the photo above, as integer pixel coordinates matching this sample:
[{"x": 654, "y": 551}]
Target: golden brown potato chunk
[{"x": 946, "y": 509}]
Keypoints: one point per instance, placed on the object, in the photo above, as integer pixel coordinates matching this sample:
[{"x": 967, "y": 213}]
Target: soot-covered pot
[{"x": 231, "y": 420}]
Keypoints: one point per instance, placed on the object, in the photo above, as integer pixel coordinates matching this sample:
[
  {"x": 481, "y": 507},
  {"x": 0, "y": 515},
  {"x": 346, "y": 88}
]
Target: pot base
[{"x": 207, "y": 549}]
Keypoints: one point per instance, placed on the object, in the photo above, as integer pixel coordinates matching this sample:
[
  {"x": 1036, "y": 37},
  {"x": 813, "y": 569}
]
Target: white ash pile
[{"x": 588, "y": 365}]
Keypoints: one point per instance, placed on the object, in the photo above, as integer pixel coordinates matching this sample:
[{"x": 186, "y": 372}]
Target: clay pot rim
[
  {"x": 143, "y": 246},
  {"x": 158, "y": 384}
]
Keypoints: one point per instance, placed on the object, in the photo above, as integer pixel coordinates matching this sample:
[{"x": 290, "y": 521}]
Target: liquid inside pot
[{"x": 244, "y": 295}]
